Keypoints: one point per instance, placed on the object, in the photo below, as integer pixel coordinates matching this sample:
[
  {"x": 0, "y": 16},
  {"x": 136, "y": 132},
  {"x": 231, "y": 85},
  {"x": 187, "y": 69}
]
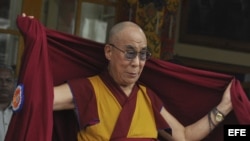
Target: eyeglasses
[{"x": 131, "y": 54}]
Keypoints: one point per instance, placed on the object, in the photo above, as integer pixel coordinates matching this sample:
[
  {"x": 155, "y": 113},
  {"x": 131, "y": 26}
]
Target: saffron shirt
[{"x": 106, "y": 113}]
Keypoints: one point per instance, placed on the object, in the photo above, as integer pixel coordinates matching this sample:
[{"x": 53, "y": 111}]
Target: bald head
[{"x": 116, "y": 31}]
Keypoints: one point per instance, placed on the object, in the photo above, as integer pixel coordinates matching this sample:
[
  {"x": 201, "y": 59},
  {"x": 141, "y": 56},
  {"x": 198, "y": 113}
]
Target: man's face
[
  {"x": 123, "y": 70},
  {"x": 7, "y": 86}
]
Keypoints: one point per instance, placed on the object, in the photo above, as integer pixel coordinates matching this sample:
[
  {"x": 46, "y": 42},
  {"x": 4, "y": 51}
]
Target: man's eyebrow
[
  {"x": 132, "y": 47},
  {"x": 129, "y": 47}
]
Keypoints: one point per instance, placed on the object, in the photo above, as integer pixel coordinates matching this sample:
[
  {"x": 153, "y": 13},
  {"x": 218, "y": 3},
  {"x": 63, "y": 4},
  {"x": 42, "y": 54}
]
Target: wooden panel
[
  {"x": 238, "y": 71},
  {"x": 33, "y": 7},
  {"x": 214, "y": 66}
]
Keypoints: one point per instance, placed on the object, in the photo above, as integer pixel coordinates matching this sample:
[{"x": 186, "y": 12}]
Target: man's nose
[{"x": 136, "y": 60}]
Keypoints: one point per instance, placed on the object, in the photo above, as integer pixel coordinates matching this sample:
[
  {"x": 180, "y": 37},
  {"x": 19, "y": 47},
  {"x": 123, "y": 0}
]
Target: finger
[
  {"x": 31, "y": 17},
  {"x": 23, "y": 14}
]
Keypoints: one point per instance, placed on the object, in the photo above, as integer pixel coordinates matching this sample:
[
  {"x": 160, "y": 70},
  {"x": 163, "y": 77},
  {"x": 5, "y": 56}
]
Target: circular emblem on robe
[{"x": 18, "y": 98}]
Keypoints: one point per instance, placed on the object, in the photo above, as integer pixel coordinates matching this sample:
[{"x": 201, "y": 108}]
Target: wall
[{"x": 210, "y": 54}]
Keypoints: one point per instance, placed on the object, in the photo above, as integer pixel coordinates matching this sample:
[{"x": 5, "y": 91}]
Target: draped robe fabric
[
  {"x": 110, "y": 98},
  {"x": 51, "y": 58}
]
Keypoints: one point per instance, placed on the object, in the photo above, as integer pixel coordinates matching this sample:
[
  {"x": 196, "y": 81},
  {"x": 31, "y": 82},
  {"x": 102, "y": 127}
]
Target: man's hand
[
  {"x": 226, "y": 104},
  {"x": 24, "y": 15}
]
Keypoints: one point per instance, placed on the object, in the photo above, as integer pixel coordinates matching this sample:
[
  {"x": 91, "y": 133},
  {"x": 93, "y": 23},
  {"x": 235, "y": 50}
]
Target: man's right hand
[{"x": 24, "y": 15}]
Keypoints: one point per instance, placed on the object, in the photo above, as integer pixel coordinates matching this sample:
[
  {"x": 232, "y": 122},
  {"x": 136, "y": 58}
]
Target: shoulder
[
  {"x": 80, "y": 85},
  {"x": 148, "y": 89},
  {"x": 154, "y": 97},
  {"x": 80, "y": 81}
]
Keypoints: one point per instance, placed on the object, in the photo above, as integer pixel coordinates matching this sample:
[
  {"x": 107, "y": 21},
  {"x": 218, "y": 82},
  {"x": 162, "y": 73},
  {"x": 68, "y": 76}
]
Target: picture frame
[{"x": 221, "y": 24}]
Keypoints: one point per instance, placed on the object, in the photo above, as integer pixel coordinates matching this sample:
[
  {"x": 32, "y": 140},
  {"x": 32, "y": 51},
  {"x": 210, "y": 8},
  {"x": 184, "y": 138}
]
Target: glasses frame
[{"x": 148, "y": 54}]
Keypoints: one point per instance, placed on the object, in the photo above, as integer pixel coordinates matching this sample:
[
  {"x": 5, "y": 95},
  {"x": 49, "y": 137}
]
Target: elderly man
[
  {"x": 7, "y": 86},
  {"x": 114, "y": 106}
]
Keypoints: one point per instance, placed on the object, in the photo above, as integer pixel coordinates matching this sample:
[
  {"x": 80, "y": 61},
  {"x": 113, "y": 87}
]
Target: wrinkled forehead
[{"x": 132, "y": 36}]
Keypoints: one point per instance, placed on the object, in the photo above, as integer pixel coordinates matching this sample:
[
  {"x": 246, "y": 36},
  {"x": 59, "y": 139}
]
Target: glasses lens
[
  {"x": 143, "y": 55},
  {"x": 131, "y": 54}
]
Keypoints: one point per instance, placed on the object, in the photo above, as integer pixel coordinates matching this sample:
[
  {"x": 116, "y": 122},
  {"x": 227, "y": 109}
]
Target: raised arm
[
  {"x": 201, "y": 128},
  {"x": 63, "y": 98}
]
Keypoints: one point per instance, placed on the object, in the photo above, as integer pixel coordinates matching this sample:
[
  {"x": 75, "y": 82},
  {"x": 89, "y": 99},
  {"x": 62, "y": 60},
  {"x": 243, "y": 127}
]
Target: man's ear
[{"x": 107, "y": 51}]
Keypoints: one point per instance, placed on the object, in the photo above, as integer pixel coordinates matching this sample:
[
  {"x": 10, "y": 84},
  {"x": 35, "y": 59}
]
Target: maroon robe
[
  {"x": 86, "y": 106},
  {"x": 51, "y": 58}
]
